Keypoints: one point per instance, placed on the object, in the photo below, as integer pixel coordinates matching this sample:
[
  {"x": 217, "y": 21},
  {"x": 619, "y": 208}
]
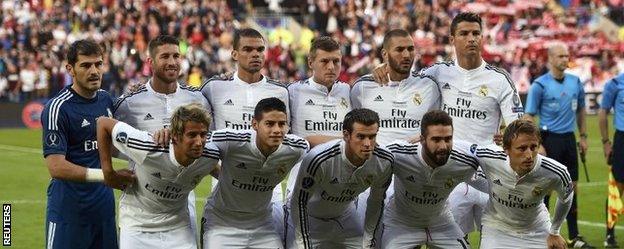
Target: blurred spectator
[{"x": 35, "y": 34}]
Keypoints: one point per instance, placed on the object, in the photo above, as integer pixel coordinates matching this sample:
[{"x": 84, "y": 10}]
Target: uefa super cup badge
[
  {"x": 417, "y": 99},
  {"x": 537, "y": 191},
  {"x": 483, "y": 91}
]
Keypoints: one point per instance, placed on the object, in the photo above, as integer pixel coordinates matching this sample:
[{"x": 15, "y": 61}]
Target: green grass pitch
[{"x": 24, "y": 180}]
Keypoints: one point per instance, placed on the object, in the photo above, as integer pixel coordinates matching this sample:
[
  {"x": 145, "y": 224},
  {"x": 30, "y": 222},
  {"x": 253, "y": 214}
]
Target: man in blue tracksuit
[{"x": 559, "y": 99}]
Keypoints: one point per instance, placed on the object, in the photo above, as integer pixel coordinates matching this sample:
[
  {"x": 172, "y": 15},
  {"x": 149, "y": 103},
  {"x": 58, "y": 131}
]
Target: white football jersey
[
  {"x": 517, "y": 203},
  {"x": 421, "y": 192},
  {"x": 400, "y": 105},
  {"x": 247, "y": 177},
  {"x": 328, "y": 185},
  {"x": 148, "y": 110},
  {"x": 157, "y": 201},
  {"x": 233, "y": 101},
  {"x": 476, "y": 99},
  {"x": 317, "y": 111}
]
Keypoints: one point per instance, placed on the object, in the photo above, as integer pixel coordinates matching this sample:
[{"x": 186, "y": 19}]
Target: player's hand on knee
[
  {"x": 556, "y": 242},
  {"x": 162, "y": 137},
  {"x": 380, "y": 74}
]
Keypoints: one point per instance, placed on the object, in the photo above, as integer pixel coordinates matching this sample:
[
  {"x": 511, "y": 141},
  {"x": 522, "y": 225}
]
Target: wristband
[{"x": 94, "y": 175}]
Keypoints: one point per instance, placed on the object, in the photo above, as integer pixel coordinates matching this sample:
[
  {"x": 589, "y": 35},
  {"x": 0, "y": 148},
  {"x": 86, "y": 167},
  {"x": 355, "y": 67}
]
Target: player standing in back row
[
  {"x": 476, "y": 95},
  {"x": 80, "y": 208}
]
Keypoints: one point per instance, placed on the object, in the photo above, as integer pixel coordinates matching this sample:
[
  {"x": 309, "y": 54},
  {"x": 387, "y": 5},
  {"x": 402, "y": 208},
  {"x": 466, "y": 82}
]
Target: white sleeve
[
  {"x": 356, "y": 95},
  {"x": 510, "y": 104},
  {"x": 565, "y": 193},
  {"x": 305, "y": 187},
  {"x": 135, "y": 144},
  {"x": 374, "y": 207}
]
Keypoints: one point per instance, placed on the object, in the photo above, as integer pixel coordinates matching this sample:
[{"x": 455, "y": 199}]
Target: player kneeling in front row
[
  {"x": 329, "y": 181},
  {"x": 153, "y": 212},
  {"x": 239, "y": 213},
  {"x": 519, "y": 178},
  {"x": 425, "y": 174}
]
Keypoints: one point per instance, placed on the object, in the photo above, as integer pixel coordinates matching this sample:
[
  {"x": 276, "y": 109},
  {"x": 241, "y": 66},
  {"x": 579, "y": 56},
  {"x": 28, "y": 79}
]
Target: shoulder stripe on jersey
[
  {"x": 55, "y": 107},
  {"x": 231, "y": 139},
  {"x": 402, "y": 151},
  {"x": 504, "y": 73},
  {"x": 150, "y": 149},
  {"x": 211, "y": 152},
  {"x": 220, "y": 135},
  {"x": 562, "y": 173},
  {"x": 296, "y": 140},
  {"x": 303, "y": 218},
  {"x": 367, "y": 77},
  {"x": 462, "y": 243},
  {"x": 213, "y": 78},
  {"x": 295, "y": 145},
  {"x": 316, "y": 162},
  {"x": 275, "y": 82},
  {"x": 465, "y": 156},
  {"x": 465, "y": 159},
  {"x": 384, "y": 154},
  {"x": 123, "y": 97},
  {"x": 491, "y": 155}
]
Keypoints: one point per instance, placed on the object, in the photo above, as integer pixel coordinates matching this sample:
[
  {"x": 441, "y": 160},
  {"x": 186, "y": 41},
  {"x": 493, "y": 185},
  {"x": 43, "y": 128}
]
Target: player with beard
[
  {"x": 150, "y": 108},
  {"x": 476, "y": 95},
  {"x": 425, "y": 174}
]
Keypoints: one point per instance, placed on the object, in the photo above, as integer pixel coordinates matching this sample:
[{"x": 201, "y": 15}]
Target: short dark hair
[
  {"x": 325, "y": 43},
  {"x": 517, "y": 127},
  {"x": 394, "y": 33},
  {"x": 246, "y": 32},
  {"x": 83, "y": 47},
  {"x": 465, "y": 17},
  {"x": 361, "y": 115},
  {"x": 434, "y": 117},
  {"x": 161, "y": 40},
  {"x": 267, "y": 105}
]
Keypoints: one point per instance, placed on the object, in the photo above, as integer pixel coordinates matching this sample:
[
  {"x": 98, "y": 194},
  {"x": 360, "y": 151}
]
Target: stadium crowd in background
[{"x": 34, "y": 37}]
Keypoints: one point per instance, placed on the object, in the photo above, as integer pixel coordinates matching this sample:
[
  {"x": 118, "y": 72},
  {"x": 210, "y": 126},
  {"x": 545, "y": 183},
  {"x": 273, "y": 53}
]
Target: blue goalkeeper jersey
[{"x": 69, "y": 128}]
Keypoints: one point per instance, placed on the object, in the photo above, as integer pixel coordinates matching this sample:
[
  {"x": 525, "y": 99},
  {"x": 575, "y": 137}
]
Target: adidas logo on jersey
[
  {"x": 241, "y": 166},
  {"x": 497, "y": 182},
  {"x": 334, "y": 181},
  {"x": 378, "y": 98},
  {"x": 446, "y": 86},
  {"x": 148, "y": 117},
  {"x": 157, "y": 175},
  {"x": 411, "y": 179},
  {"x": 85, "y": 123},
  {"x": 309, "y": 102},
  {"x": 228, "y": 102}
]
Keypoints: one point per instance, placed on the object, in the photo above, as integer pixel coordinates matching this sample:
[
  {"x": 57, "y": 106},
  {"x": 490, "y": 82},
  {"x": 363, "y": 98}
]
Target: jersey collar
[
  {"x": 256, "y": 150},
  {"x": 238, "y": 79},
  {"x": 466, "y": 71},
  {"x": 149, "y": 88},
  {"x": 318, "y": 86}
]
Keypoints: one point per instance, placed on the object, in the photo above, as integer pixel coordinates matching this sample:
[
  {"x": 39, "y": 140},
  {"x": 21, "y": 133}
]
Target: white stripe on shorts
[{"x": 51, "y": 230}]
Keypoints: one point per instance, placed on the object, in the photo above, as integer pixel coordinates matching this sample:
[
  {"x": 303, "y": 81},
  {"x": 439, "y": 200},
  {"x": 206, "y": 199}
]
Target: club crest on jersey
[
  {"x": 122, "y": 137},
  {"x": 417, "y": 99},
  {"x": 473, "y": 149},
  {"x": 344, "y": 103},
  {"x": 537, "y": 191},
  {"x": 307, "y": 182},
  {"x": 483, "y": 91},
  {"x": 449, "y": 183},
  {"x": 281, "y": 170}
]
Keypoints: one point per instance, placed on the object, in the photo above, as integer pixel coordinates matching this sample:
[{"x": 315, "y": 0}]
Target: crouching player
[
  {"x": 519, "y": 178},
  {"x": 153, "y": 212},
  {"x": 329, "y": 181}
]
